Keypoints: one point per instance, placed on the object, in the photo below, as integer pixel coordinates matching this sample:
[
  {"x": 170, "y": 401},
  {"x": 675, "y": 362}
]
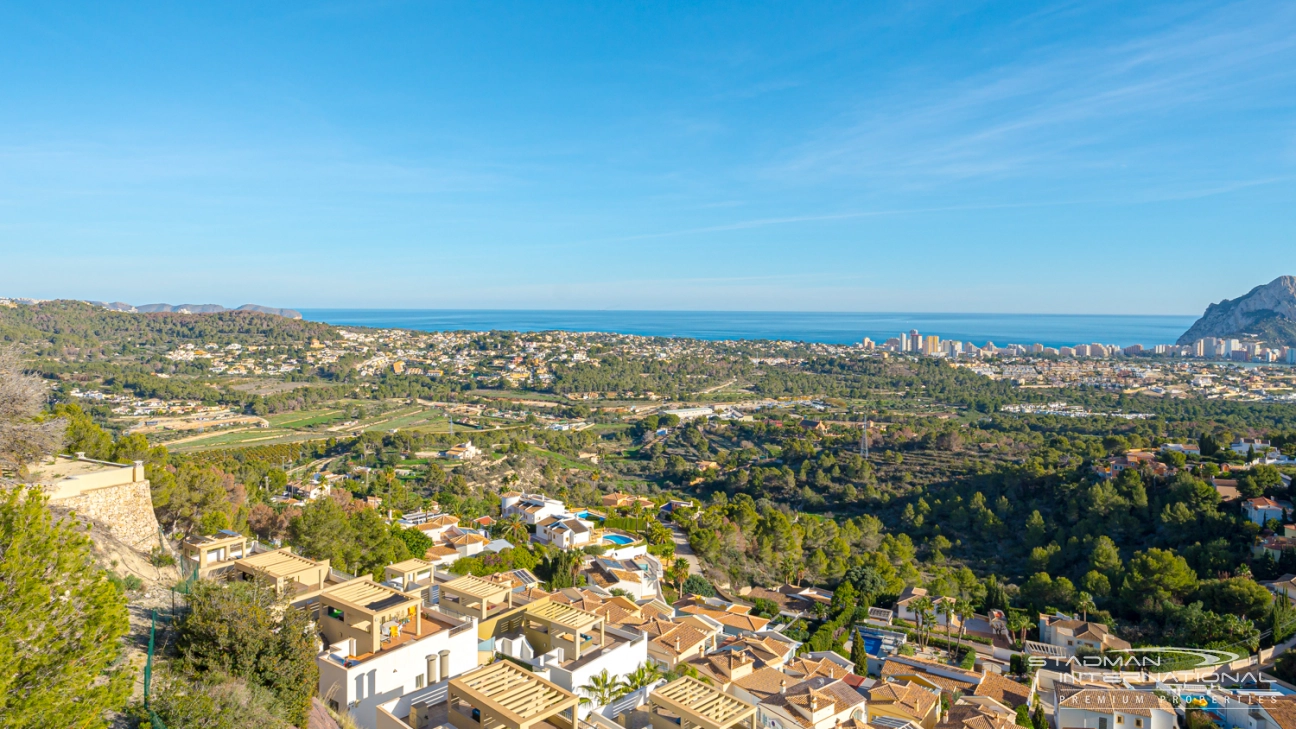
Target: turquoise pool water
[{"x": 618, "y": 539}]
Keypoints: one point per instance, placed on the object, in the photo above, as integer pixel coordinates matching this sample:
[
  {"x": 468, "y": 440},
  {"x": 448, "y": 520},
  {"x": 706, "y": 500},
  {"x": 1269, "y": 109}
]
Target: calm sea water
[{"x": 829, "y": 327}]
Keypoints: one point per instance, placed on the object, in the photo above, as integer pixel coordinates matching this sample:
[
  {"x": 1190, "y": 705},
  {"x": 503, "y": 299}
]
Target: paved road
[{"x": 682, "y": 548}]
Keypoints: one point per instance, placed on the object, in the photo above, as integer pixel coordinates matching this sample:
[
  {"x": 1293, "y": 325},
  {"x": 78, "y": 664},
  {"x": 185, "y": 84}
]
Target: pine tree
[{"x": 62, "y": 623}]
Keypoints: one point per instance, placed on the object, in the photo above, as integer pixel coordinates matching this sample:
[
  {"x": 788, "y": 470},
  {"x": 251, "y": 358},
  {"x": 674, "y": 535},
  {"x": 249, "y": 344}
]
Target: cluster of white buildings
[{"x": 1210, "y": 348}]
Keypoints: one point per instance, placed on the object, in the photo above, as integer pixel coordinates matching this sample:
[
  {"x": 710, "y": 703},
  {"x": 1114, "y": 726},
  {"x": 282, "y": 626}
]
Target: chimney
[
  {"x": 783, "y": 686},
  {"x": 80, "y": 455}
]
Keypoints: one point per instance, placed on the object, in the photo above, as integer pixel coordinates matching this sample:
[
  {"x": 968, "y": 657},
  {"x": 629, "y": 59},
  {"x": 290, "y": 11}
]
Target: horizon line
[{"x": 721, "y": 311}]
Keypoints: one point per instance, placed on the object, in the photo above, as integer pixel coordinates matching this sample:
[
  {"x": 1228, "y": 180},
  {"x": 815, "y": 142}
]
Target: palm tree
[
  {"x": 679, "y": 571},
  {"x": 946, "y": 607},
  {"x": 601, "y": 690},
  {"x": 963, "y": 608},
  {"x": 648, "y": 673},
  {"x": 1018, "y": 622},
  {"x": 922, "y": 608},
  {"x": 514, "y": 530},
  {"x": 1085, "y": 604}
]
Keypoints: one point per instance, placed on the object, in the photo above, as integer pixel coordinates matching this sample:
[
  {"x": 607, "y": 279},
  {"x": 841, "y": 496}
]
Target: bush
[
  {"x": 129, "y": 583},
  {"x": 159, "y": 557},
  {"x": 698, "y": 585},
  {"x": 663, "y": 551},
  {"x": 214, "y": 702}
]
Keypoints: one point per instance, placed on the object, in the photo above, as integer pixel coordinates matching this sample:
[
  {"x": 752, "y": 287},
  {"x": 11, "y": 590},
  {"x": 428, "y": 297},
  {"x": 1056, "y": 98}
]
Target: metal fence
[{"x": 154, "y": 719}]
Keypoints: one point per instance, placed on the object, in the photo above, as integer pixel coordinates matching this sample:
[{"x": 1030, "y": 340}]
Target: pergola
[
  {"x": 410, "y": 572},
  {"x": 506, "y": 696},
  {"x": 697, "y": 704},
  {"x": 471, "y": 596},
  {"x": 363, "y": 606},
  {"x": 561, "y": 625}
]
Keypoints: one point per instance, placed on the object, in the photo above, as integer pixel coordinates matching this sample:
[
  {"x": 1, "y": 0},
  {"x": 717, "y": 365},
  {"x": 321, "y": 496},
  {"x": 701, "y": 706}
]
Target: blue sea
[{"x": 1051, "y": 330}]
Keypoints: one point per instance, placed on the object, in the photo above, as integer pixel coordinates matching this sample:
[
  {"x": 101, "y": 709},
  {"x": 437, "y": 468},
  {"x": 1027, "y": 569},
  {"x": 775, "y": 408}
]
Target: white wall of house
[
  {"x": 1073, "y": 718},
  {"x": 550, "y": 507},
  {"x": 619, "y": 662},
  {"x": 358, "y": 689}
]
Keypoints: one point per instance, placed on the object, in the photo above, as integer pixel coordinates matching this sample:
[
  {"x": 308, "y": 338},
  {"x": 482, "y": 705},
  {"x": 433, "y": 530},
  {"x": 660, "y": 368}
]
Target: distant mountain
[
  {"x": 194, "y": 309},
  {"x": 1267, "y": 313}
]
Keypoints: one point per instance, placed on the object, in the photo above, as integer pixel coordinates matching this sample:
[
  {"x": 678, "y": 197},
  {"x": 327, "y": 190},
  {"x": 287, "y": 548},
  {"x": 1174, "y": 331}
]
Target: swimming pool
[
  {"x": 618, "y": 539},
  {"x": 582, "y": 515}
]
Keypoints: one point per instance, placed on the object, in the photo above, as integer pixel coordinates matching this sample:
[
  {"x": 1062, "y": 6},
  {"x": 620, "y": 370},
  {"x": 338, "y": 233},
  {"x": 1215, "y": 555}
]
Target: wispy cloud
[
  {"x": 1040, "y": 110},
  {"x": 1165, "y": 194}
]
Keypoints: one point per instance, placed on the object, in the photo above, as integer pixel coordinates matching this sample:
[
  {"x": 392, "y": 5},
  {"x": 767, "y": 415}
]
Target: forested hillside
[{"x": 60, "y": 327}]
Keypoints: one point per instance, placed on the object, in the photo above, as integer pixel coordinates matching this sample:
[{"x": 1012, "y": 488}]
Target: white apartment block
[{"x": 384, "y": 644}]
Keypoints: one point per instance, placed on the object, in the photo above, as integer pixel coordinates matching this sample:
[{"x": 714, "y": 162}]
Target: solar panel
[{"x": 387, "y": 602}]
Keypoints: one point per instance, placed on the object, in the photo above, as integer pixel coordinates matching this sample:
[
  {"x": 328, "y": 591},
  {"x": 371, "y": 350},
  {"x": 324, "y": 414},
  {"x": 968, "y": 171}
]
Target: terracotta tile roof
[
  {"x": 814, "y": 693},
  {"x": 1005, "y": 691},
  {"x": 1282, "y": 711},
  {"x": 658, "y": 626},
  {"x": 908, "y": 698},
  {"x": 680, "y": 639},
  {"x": 806, "y": 668},
  {"x": 924, "y": 668},
  {"x": 971, "y": 716},
  {"x": 463, "y": 540},
  {"x": 650, "y": 611},
  {"x": 616, "y": 614},
  {"x": 764, "y": 682},
  {"x": 766, "y": 649}
]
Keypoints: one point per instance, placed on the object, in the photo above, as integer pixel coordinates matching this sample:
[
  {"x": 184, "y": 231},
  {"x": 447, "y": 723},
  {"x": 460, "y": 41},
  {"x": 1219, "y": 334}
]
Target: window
[
  {"x": 335, "y": 613},
  {"x": 418, "y": 681},
  {"x": 1120, "y": 719},
  {"x": 1138, "y": 723},
  {"x": 1102, "y": 722}
]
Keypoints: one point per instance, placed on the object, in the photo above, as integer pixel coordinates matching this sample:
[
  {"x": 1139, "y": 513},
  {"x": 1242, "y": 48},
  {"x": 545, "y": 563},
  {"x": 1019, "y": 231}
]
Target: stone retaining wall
[{"x": 126, "y": 510}]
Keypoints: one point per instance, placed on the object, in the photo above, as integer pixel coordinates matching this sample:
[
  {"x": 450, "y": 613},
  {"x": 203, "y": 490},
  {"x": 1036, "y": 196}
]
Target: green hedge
[{"x": 626, "y": 524}]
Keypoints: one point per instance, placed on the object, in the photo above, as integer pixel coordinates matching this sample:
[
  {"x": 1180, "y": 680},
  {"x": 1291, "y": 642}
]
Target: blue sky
[{"x": 1078, "y": 157}]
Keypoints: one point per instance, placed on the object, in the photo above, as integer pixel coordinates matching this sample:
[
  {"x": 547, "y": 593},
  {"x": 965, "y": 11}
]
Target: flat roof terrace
[
  {"x": 697, "y": 704},
  {"x": 506, "y": 696},
  {"x": 473, "y": 596},
  {"x": 429, "y": 624},
  {"x": 280, "y": 563}
]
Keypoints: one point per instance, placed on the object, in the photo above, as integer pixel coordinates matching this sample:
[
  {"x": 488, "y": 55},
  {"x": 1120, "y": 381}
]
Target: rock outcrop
[{"x": 1266, "y": 313}]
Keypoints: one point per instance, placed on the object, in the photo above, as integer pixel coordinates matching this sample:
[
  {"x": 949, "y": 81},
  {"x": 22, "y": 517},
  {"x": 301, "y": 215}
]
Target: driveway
[{"x": 682, "y": 548}]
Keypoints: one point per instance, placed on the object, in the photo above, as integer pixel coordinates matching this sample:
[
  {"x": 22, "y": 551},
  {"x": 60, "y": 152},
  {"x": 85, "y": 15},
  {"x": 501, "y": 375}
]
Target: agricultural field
[{"x": 241, "y": 438}]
